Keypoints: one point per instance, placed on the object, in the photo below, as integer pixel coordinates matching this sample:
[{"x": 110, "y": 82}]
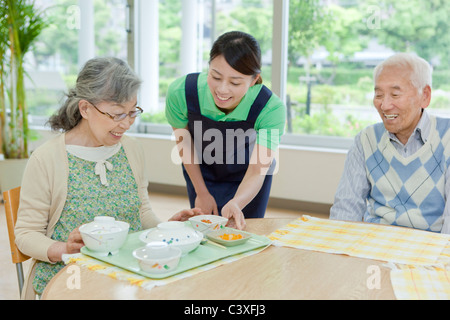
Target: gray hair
[
  {"x": 101, "y": 79},
  {"x": 421, "y": 71}
]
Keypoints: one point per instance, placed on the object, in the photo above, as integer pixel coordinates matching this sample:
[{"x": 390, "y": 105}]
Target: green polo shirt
[{"x": 269, "y": 125}]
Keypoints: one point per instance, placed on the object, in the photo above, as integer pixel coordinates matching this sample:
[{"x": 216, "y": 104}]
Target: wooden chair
[{"x": 11, "y": 199}]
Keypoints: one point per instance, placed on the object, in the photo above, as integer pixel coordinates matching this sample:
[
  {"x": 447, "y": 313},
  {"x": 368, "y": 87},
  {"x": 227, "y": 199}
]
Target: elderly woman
[{"x": 90, "y": 169}]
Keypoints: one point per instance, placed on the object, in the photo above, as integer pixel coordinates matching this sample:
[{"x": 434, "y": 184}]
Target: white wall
[
  {"x": 308, "y": 175},
  {"x": 305, "y": 174}
]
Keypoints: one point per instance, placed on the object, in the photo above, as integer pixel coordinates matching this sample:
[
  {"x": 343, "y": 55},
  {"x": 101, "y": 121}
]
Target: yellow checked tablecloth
[
  {"x": 371, "y": 241},
  {"x": 420, "y": 260},
  {"x": 423, "y": 283},
  {"x": 419, "y": 283}
]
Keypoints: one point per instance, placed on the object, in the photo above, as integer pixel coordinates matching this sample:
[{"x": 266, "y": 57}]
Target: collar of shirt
[
  {"x": 98, "y": 155},
  {"x": 94, "y": 154},
  {"x": 417, "y": 139}
]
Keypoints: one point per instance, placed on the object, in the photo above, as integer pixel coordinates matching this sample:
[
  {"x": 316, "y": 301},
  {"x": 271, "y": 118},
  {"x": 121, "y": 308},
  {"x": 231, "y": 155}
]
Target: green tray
[{"x": 203, "y": 254}]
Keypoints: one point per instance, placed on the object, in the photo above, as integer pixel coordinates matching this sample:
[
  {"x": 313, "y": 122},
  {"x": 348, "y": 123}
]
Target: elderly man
[{"x": 397, "y": 171}]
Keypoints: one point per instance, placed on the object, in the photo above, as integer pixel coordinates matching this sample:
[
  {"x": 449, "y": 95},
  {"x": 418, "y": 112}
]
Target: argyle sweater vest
[{"x": 410, "y": 191}]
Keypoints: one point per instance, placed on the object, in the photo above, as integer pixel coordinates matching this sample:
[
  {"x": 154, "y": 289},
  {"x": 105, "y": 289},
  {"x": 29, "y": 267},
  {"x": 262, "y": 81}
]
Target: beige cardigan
[{"x": 43, "y": 196}]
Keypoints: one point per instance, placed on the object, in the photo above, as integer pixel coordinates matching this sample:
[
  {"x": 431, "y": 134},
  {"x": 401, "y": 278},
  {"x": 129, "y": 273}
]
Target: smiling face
[
  {"x": 398, "y": 102},
  {"x": 97, "y": 129},
  {"x": 227, "y": 85}
]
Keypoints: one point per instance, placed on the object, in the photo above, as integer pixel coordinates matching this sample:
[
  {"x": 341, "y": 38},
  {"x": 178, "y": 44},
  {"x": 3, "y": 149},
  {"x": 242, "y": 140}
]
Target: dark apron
[{"x": 225, "y": 155}]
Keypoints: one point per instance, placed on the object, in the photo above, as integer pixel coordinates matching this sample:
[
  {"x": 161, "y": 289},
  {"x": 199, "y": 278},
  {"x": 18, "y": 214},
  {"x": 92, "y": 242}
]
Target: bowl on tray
[
  {"x": 157, "y": 257},
  {"x": 229, "y": 237},
  {"x": 174, "y": 233},
  {"x": 104, "y": 235},
  {"x": 208, "y": 222}
]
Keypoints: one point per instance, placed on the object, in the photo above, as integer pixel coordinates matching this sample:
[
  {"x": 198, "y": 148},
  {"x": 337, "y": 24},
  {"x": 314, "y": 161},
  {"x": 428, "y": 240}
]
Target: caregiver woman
[{"x": 235, "y": 124}]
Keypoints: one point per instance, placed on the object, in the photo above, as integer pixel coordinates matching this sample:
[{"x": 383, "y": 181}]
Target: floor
[{"x": 163, "y": 205}]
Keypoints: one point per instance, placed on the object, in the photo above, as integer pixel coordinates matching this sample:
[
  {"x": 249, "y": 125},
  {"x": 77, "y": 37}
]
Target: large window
[
  {"x": 206, "y": 19},
  {"x": 56, "y": 59},
  {"x": 332, "y": 47}
]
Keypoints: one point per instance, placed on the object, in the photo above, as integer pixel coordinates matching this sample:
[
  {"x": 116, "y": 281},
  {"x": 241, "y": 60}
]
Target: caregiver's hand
[
  {"x": 235, "y": 215},
  {"x": 206, "y": 203}
]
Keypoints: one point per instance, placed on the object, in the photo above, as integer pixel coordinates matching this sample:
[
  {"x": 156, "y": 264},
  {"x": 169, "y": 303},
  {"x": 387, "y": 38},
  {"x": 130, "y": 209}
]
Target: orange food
[
  {"x": 206, "y": 221},
  {"x": 230, "y": 236}
]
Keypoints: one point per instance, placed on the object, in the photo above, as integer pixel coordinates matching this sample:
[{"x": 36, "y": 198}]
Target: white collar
[
  {"x": 93, "y": 153},
  {"x": 98, "y": 155}
]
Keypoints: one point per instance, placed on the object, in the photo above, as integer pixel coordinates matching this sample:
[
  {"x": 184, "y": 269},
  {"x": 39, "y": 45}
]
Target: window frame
[{"x": 279, "y": 79}]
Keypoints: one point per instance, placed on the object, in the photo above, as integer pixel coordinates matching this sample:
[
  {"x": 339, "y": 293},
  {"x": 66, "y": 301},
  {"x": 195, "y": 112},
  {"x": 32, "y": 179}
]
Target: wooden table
[{"x": 275, "y": 273}]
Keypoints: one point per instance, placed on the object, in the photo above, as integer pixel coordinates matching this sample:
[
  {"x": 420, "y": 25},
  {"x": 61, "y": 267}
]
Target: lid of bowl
[
  {"x": 173, "y": 233},
  {"x": 171, "y": 225},
  {"x": 102, "y": 225},
  {"x": 156, "y": 249},
  {"x": 104, "y": 220},
  {"x": 157, "y": 245}
]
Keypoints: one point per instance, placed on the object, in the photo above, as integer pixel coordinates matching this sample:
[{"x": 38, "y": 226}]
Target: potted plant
[{"x": 20, "y": 25}]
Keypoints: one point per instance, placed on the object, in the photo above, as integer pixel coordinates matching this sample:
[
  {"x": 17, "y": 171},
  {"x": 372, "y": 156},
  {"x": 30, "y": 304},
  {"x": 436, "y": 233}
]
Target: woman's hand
[
  {"x": 73, "y": 245},
  {"x": 207, "y": 204},
  {"x": 235, "y": 215},
  {"x": 74, "y": 242},
  {"x": 186, "y": 214}
]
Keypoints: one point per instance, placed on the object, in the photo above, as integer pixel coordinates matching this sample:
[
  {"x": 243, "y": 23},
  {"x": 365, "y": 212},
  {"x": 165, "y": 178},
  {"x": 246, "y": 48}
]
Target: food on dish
[
  {"x": 230, "y": 236},
  {"x": 207, "y": 223}
]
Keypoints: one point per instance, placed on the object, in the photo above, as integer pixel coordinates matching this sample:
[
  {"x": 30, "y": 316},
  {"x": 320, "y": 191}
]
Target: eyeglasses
[{"x": 120, "y": 117}]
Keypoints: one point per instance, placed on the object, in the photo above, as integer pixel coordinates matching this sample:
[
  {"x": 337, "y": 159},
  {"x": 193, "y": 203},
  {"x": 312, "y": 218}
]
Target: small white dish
[
  {"x": 104, "y": 235},
  {"x": 174, "y": 233},
  {"x": 226, "y": 236},
  {"x": 208, "y": 222},
  {"x": 157, "y": 257}
]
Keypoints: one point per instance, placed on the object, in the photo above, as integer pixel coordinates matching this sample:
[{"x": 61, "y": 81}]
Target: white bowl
[
  {"x": 208, "y": 222},
  {"x": 218, "y": 236},
  {"x": 104, "y": 235},
  {"x": 174, "y": 233},
  {"x": 157, "y": 257}
]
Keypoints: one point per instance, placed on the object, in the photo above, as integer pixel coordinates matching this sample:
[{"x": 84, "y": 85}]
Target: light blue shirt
[{"x": 351, "y": 196}]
